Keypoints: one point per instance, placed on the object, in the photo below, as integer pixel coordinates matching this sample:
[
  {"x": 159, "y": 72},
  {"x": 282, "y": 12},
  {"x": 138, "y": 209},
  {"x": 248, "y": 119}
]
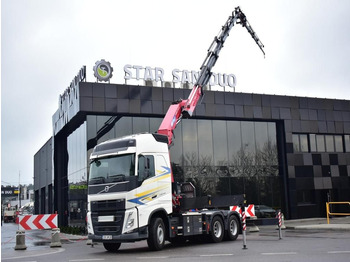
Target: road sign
[
  {"x": 250, "y": 210},
  {"x": 236, "y": 208},
  {"x": 29, "y": 222}
]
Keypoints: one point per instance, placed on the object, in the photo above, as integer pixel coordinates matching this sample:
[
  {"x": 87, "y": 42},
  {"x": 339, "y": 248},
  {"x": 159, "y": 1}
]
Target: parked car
[{"x": 262, "y": 211}]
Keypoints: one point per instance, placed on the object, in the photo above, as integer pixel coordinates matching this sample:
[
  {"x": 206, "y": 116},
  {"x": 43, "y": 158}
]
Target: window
[
  {"x": 190, "y": 142},
  {"x": 220, "y": 142},
  {"x": 313, "y": 147},
  {"x": 300, "y": 143},
  {"x": 347, "y": 143},
  {"x": 106, "y": 170},
  {"x": 146, "y": 167},
  {"x": 261, "y": 135},
  {"x": 140, "y": 125},
  {"x": 176, "y": 151},
  {"x": 320, "y": 143},
  {"x": 304, "y": 145},
  {"x": 234, "y": 139},
  {"x": 248, "y": 137},
  {"x": 338, "y": 141},
  {"x": 327, "y": 143},
  {"x": 205, "y": 142},
  {"x": 296, "y": 144}
]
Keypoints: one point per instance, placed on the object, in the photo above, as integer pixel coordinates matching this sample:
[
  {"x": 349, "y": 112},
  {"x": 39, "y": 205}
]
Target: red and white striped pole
[
  {"x": 279, "y": 224},
  {"x": 244, "y": 228}
]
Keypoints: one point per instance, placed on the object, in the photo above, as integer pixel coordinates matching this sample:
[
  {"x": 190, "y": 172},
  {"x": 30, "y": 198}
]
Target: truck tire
[
  {"x": 217, "y": 230},
  {"x": 156, "y": 238},
  {"x": 233, "y": 228},
  {"x": 112, "y": 247}
]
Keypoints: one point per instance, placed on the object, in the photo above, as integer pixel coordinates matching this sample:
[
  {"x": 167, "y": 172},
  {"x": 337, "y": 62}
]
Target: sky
[{"x": 44, "y": 43}]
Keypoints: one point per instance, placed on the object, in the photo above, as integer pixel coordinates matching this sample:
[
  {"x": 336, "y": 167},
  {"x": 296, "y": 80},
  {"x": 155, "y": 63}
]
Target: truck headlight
[
  {"x": 130, "y": 221},
  {"x": 89, "y": 225}
]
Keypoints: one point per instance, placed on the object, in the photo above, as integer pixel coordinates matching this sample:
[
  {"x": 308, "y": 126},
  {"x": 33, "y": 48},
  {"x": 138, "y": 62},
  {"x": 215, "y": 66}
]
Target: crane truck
[{"x": 132, "y": 194}]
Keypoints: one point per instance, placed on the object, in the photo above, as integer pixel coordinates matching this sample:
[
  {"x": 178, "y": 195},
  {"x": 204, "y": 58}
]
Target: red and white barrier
[
  {"x": 250, "y": 210},
  {"x": 29, "y": 222},
  {"x": 244, "y": 224},
  {"x": 279, "y": 219},
  {"x": 279, "y": 216},
  {"x": 237, "y": 209},
  {"x": 244, "y": 228}
]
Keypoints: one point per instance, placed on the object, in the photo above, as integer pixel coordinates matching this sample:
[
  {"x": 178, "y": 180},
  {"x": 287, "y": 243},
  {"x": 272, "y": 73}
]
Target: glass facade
[
  {"x": 229, "y": 157},
  {"x": 219, "y": 157},
  {"x": 77, "y": 176}
]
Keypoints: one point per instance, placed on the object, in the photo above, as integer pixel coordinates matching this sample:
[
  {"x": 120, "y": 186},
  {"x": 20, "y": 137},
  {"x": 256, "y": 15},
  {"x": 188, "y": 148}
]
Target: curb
[{"x": 326, "y": 227}]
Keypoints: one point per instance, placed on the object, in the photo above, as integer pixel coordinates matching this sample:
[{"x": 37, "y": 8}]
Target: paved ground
[
  {"x": 335, "y": 224},
  {"x": 37, "y": 241}
]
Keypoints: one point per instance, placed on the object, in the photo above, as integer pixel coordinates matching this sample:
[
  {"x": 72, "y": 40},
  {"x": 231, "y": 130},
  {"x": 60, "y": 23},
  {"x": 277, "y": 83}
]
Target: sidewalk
[
  {"x": 45, "y": 235},
  {"x": 33, "y": 238},
  {"x": 335, "y": 224}
]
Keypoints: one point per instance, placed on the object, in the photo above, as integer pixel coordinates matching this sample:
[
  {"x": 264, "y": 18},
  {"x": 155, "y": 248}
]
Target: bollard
[
  {"x": 89, "y": 242},
  {"x": 244, "y": 229},
  {"x": 283, "y": 225},
  {"x": 279, "y": 224},
  {"x": 55, "y": 238},
  {"x": 20, "y": 240},
  {"x": 253, "y": 228}
]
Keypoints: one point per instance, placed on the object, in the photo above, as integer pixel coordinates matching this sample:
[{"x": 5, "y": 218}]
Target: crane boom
[{"x": 185, "y": 108}]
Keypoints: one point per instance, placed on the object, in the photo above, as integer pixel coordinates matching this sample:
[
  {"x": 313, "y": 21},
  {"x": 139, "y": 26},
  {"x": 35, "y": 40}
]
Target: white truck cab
[{"x": 129, "y": 179}]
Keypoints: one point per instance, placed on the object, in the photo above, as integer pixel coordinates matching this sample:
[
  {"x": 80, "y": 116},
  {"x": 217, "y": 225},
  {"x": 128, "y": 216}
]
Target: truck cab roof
[{"x": 136, "y": 143}]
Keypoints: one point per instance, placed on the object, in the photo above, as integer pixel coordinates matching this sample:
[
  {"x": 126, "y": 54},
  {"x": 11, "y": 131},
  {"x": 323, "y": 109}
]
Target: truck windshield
[{"x": 112, "y": 169}]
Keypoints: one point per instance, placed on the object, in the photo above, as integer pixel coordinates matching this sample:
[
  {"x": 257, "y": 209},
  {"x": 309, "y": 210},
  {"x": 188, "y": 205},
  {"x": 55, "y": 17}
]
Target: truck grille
[
  {"x": 108, "y": 208},
  {"x": 108, "y": 205}
]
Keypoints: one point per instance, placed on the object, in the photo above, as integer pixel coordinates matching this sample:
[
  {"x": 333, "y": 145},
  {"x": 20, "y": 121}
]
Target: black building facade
[
  {"x": 43, "y": 179},
  {"x": 286, "y": 152}
]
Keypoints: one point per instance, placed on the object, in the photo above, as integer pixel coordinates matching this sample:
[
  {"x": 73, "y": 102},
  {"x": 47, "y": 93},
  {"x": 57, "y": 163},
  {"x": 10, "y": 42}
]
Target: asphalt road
[{"x": 265, "y": 245}]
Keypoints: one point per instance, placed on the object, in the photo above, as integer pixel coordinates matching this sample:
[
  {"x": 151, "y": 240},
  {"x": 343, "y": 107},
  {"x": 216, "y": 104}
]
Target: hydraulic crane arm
[{"x": 185, "y": 108}]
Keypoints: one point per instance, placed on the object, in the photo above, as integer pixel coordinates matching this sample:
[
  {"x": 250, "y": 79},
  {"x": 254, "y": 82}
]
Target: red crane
[{"x": 185, "y": 108}]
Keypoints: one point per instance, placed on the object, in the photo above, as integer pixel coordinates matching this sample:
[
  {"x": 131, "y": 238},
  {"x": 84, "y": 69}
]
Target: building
[
  {"x": 17, "y": 196},
  {"x": 43, "y": 179},
  {"x": 286, "y": 152}
]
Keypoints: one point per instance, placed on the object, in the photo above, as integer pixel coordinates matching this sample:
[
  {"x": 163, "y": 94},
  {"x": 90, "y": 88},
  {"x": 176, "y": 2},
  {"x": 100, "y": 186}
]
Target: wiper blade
[
  {"x": 97, "y": 180},
  {"x": 117, "y": 178}
]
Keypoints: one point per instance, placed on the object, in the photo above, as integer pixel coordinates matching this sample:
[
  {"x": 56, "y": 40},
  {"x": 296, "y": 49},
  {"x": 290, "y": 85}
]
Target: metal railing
[{"x": 336, "y": 214}]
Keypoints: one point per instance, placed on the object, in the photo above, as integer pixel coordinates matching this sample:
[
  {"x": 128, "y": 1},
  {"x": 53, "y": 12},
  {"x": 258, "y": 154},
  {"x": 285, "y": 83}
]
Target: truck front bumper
[{"x": 140, "y": 234}]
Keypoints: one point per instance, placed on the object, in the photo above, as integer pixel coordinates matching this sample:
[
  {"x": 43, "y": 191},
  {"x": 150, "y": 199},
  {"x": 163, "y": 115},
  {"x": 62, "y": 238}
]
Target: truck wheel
[
  {"x": 156, "y": 238},
  {"x": 232, "y": 231},
  {"x": 112, "y": 247},
  {"x": 217, "y": 230}
]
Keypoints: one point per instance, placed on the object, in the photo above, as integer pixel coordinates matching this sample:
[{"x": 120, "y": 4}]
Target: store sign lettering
[
  {"x": 179, "y": 76},
  {"x": 70, "y": 95},
  {"x": 9, "y": 192}
]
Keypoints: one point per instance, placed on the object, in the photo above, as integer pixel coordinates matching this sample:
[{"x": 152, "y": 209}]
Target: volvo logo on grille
[{"x": 106, "y": 189}]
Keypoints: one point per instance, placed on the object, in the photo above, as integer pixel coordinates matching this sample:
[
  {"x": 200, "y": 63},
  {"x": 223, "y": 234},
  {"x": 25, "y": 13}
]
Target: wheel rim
[
  {"x": 217, "y": 229},
  {"x": 233, "y": 227},
  {"x": 160, "y": 234}
]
